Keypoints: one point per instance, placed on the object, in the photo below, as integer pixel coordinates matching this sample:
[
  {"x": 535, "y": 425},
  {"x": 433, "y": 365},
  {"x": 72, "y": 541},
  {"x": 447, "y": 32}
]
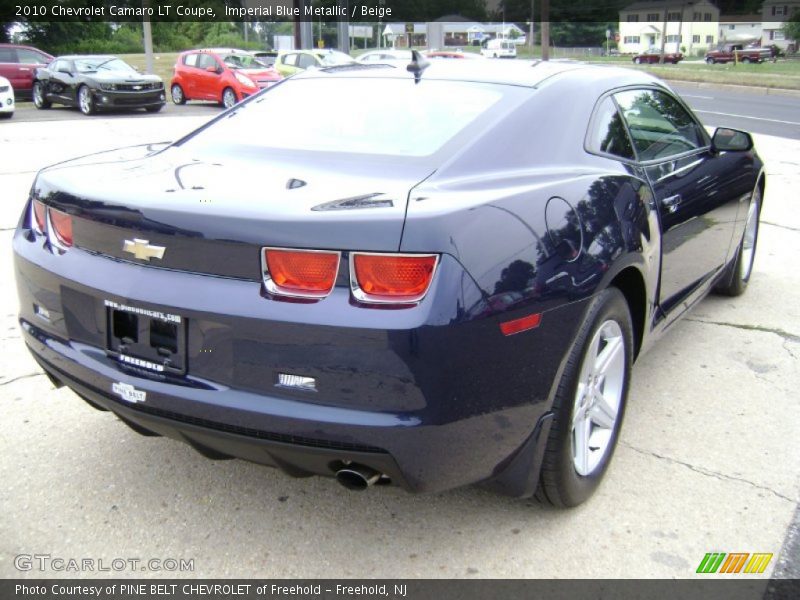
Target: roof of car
[
  {"x": 5, "y": 45},
  {"x": 311, "y": 51},
  {"x": 83, "y": 56},
  {"x": 519, "y": 73}
]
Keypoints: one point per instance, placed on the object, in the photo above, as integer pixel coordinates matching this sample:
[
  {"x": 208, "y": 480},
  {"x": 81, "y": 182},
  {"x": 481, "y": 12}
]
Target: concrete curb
[{"x": 748, "y": 89}]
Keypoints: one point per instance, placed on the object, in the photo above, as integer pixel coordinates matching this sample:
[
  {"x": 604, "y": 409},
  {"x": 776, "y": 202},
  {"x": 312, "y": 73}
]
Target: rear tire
[
  {"x": 39, "y": 99},
  {"x": 6, "y": 115},
  {"x": 178, "y": 97},
  {"x": 589, "y": 404},
  {"x": 745, "y": 60},
  {"x": 737, "y": 274}
]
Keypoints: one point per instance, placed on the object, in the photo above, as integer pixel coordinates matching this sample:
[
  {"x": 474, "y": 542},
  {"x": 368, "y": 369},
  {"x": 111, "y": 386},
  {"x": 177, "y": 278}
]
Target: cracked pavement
[{"x": 708, "y": 461}]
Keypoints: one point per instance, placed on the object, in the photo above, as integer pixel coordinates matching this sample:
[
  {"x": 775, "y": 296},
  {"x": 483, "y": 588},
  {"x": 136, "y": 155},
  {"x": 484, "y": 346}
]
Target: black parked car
[
  {"x": 94, "y": 83},
  {"x": 378, "y": 298}
]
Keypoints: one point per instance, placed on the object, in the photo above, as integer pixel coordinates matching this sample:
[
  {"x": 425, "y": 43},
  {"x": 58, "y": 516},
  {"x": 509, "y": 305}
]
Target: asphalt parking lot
[{"x": 708, "y": 461}]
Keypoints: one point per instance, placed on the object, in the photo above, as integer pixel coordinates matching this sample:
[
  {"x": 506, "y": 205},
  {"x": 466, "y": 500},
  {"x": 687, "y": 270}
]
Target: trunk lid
[{"x": 213, "y": 214}]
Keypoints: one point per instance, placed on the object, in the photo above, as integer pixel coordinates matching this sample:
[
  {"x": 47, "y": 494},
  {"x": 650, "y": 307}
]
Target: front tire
[
  {"x": 637, "y": 61},
  {"x": 737, "y": 275},
  {"x": 228, "y": 97},
  {"x": 39, "y": 99},
  {"x": 86, "y": 101},
  {"x": 710, "y": 61},
  {"x": 154, "y": 109},
  {"x": 589, "y": 404},
  {"x": 6, "y": 115}
]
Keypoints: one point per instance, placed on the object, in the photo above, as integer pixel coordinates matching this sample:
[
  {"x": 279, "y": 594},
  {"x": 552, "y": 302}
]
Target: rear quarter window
[{"x": 607, "y": 134}]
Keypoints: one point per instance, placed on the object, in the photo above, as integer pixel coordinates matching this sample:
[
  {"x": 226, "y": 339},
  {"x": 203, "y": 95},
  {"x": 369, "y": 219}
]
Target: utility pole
[
  {"x": 343, "y": 27},
  {"x": 663, "y": 37},
  {"x": 531, "y": 28},
  {"x": 545, "y": 29},
  {"x": 148, "y": 40}
]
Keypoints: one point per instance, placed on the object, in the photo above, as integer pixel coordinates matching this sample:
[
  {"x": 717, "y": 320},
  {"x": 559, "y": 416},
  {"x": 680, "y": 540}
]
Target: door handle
[
  {"x": 24, "y": 69},
  {"x": 672, "y": 202}
]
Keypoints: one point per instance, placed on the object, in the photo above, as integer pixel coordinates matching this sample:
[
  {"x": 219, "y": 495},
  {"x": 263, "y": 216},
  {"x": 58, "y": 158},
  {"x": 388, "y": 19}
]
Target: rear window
[{"x": 367, "y": 116}]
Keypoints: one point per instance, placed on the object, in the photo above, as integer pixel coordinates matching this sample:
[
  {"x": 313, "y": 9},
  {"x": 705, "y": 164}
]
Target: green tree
[
  {"x": 63, "y": 37},
  {"x": 791, "y": 28}
]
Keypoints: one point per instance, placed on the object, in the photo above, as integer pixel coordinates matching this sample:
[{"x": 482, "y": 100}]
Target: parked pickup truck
[{"x": 731, "y": 52}]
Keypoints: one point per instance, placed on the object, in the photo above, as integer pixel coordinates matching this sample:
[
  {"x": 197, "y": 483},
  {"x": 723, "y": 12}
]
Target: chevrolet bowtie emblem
[{"x": 142, "y": 249}]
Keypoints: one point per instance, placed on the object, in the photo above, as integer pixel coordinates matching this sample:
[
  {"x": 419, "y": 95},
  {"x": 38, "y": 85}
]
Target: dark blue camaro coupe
[{"x": 428, "y": 277}]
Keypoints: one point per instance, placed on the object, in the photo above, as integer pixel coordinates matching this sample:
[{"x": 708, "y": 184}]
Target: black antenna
[{"x": 417, "y": 65}]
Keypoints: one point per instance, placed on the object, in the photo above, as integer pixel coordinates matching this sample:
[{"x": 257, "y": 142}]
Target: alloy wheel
[
  {"x": 598, "y": 396},
  {"x": 37, "y": 95},
  {"x": 749, "y": 241},
  {"x": 85, "y": 101},
  {"x": 228, "y": 98},
  {"x": 177, "y": 94}
]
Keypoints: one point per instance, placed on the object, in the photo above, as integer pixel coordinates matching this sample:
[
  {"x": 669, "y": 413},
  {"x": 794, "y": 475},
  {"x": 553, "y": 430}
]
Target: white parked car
[
  {"x": 6, "y": 99},
  {"x": 386, "y": 56},
  {"x": 499, "y": 48}
]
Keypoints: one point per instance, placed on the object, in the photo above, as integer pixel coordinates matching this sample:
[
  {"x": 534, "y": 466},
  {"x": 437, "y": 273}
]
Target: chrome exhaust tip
[{"x": 357, "y": 477}]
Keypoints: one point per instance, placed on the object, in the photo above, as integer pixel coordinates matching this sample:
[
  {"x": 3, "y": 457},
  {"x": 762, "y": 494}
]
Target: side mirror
[
  {"x": 731, "y": 140},
  {"x": 212, "y": 70}
]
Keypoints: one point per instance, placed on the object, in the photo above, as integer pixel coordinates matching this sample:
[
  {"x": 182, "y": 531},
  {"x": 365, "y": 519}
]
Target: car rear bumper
[{"x": 433, "y": 404}]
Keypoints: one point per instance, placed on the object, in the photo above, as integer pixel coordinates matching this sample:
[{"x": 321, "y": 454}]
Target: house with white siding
[
  {"x": 773, "y": 15},
  {"x": 691, "y": 27}
]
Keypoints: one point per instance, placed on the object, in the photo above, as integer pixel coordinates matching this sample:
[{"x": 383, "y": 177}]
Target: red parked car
[
  {"x": 654, "y": 54},
  {"x": 18, "y": 64},
  {"x": 226, "y": 76}
]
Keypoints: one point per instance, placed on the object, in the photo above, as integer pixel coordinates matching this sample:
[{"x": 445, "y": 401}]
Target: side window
[
  {"x": 7, "y": 55},
  {"x": 190, "y": 60},
  {"x": 290, "y": 59},
  {"x": 607, "y": 132},
  {"x": 660, "y": 127},
  {"x": 57, "y": 66},
  {"x": 306, "y": 60},
  {"x": 206, "y": 60},
  {"x": 29, "y": 57}
]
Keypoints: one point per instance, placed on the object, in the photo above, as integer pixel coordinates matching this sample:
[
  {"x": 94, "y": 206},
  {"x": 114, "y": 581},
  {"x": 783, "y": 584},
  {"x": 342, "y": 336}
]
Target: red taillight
[
  {"x": 62, "y": 226},
  {"x": 302, "y": 273},
  {"x": 391, "y": 277},
  {"x": 39, "y": 216}
]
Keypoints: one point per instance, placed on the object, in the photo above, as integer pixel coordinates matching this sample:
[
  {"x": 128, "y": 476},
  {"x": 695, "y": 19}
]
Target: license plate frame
[{"x": 146, "y": 339}]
